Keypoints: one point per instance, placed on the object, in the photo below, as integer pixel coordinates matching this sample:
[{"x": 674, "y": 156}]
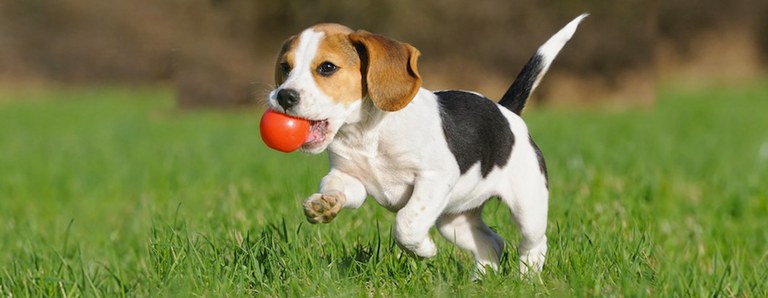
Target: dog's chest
[{"x": 386, "y": 176}]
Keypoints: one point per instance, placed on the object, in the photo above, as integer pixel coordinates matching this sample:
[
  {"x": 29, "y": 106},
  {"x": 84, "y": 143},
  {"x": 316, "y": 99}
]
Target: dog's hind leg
[
  {"x": 468, "y": 231},
  {"x": 528, "y": 205}
]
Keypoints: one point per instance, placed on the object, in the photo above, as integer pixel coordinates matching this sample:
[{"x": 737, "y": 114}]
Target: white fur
[
  {"x": 403, "y": 161},
  {"x": 554, "y": 44}
]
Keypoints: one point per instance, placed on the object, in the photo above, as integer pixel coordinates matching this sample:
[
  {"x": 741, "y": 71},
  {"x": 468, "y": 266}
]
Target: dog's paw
[
  {"x": 322, "y": 208},
  {"x": 425, "y": 249}
]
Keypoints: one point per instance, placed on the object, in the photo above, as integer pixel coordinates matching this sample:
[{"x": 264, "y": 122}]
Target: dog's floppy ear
[{"x": 389, "y": 70}]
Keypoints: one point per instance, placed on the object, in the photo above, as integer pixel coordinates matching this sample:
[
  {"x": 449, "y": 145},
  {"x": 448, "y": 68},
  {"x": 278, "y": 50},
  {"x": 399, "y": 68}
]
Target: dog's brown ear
[{"x": 389, "y": 70}]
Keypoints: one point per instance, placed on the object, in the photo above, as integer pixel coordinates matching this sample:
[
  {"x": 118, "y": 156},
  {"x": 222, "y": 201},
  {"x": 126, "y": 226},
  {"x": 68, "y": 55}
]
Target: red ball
[{"x": 283, "y": 132}]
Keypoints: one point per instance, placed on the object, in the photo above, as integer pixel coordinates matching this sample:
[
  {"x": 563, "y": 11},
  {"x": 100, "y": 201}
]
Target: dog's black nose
[{"x": 287, "y": 98}]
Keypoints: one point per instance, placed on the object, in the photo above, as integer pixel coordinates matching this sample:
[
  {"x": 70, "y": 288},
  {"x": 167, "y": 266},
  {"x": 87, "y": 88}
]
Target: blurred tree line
[{"x": 221, "y": 52}]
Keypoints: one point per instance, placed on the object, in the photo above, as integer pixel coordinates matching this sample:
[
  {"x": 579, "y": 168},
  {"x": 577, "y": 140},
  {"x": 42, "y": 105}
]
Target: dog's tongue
[
  {"x": 315, "y": 132},
  {"x": 313, "y": 136}
]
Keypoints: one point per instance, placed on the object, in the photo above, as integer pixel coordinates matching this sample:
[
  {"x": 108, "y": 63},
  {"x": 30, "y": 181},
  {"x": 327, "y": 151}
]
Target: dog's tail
[{"x": 528, "y": 78}]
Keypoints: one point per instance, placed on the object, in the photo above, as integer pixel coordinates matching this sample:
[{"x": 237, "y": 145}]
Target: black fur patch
[
  {"x": 476, "y": 130},
  {"x": 517, "y": 94},
  {"x": 542, "y": 164}
]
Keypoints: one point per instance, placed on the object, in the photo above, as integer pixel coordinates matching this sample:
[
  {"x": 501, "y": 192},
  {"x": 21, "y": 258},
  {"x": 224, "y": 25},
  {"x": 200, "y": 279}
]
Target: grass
[{"x": 113, "y": 192}]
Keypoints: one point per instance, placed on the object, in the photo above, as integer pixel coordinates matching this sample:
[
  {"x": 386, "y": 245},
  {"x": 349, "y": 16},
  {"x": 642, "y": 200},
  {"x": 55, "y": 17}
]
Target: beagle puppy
[{"x": 434, "y": 158}]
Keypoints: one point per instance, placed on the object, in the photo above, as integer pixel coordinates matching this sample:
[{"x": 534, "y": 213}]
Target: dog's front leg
[
  {"x": 414, "y": 220},
  {"x": 337, "y": 190}
]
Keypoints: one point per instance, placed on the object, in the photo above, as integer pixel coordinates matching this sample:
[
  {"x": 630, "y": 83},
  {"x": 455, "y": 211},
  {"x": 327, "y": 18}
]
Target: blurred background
[{"x": 221, "y": 52}]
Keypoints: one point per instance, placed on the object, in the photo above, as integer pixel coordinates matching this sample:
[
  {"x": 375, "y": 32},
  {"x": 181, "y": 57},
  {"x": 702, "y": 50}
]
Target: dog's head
[{"x": 327, "y": 72}]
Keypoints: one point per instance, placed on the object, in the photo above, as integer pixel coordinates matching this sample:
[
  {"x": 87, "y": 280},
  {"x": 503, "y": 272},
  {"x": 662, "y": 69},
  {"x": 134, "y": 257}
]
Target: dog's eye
[
  {"x": 327, "y": 68},
  {"x": 285, "y": 68}
]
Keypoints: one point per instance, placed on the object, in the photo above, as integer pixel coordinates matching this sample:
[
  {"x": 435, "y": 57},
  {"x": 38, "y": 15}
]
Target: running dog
[{"x": 434, "y": 158}]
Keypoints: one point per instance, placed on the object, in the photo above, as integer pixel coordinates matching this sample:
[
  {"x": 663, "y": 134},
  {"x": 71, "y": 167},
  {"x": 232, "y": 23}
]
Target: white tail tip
[{"x": 550, "y": 48}]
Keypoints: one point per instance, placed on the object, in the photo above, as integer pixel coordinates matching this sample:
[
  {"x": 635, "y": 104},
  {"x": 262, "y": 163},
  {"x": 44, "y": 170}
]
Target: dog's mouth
[{"x": 318, "y": 132}]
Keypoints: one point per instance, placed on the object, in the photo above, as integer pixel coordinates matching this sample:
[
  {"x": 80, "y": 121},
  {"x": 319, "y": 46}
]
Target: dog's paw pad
[
  {"x": 322, "y": 208},
  {"x": 318, "y": 206}
]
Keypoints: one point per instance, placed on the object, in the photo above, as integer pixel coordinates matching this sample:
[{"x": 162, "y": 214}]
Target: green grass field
[{"x": 113, "y": 192}]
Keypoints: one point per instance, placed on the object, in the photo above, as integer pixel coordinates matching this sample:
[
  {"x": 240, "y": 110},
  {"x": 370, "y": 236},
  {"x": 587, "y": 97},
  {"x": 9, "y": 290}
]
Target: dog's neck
[
  {"x": 364, "y": 131},
  {"x": 370, "y": 130}
]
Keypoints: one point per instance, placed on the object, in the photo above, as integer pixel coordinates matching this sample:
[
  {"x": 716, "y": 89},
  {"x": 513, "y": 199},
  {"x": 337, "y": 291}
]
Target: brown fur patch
[
  {"x": 392, "y": 77},
  {"x": 346, "y": 84},
  {"x": 330, "y": 28},
  {"x": 286, "y": 54}
]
